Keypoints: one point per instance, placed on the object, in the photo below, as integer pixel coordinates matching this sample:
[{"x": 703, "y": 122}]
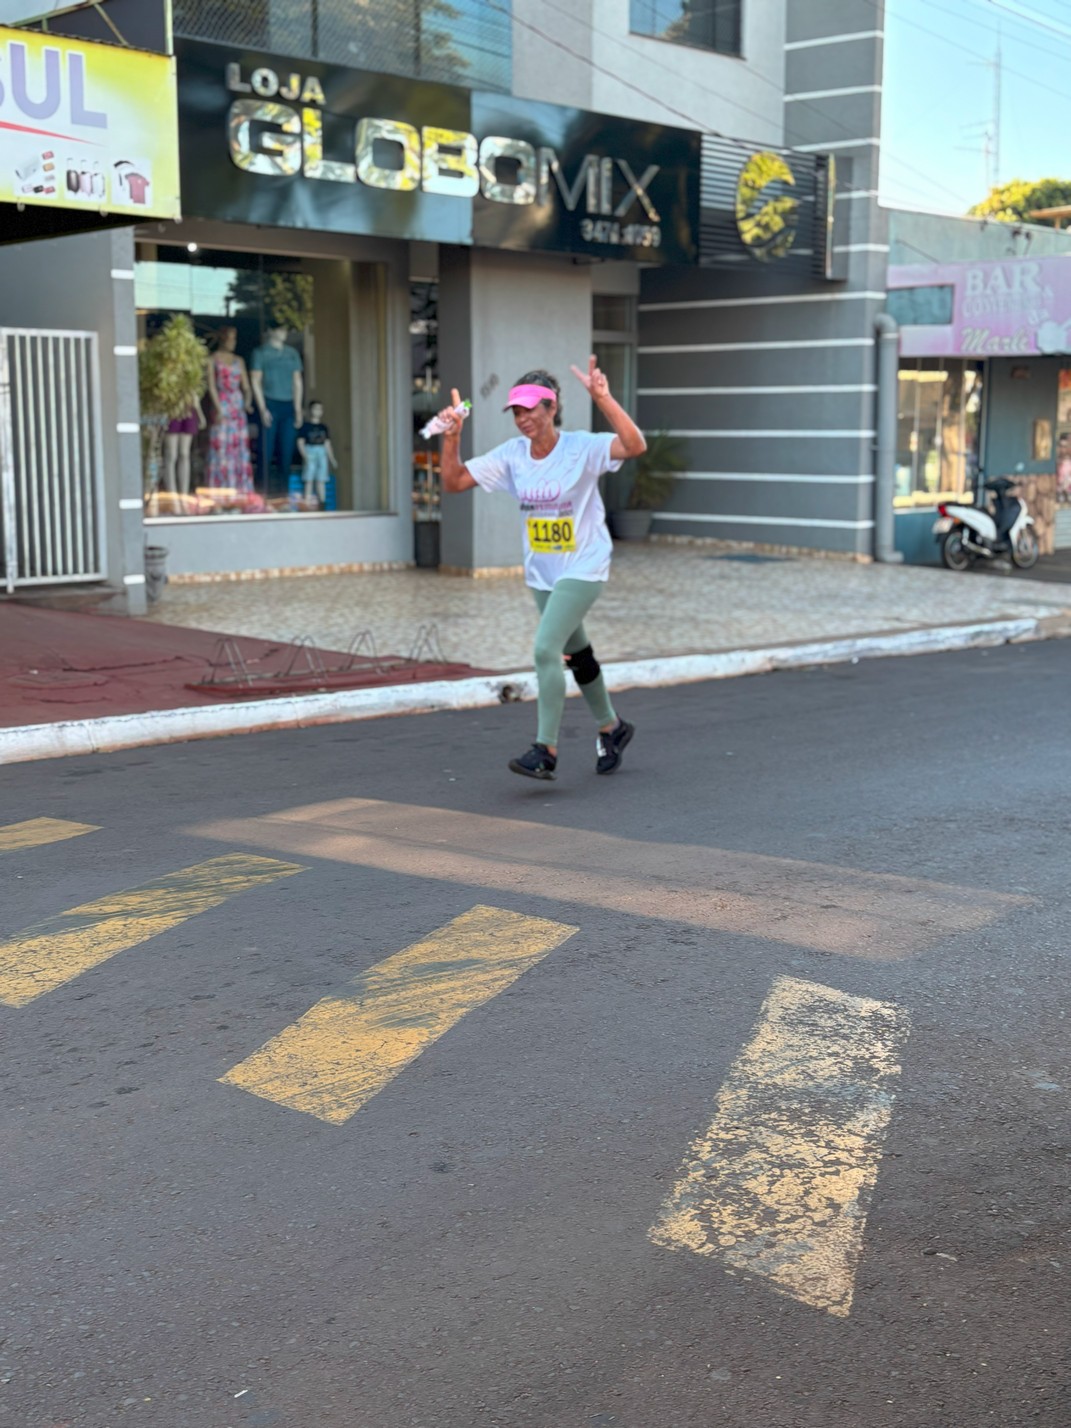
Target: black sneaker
[
  {"x": 609, "y": 747},
  {"x": 538, "y": 762}
]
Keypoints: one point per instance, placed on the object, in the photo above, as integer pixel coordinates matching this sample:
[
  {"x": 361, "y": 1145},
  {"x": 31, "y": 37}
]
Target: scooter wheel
[
  {"x": 954, "y": 553},
  {"x": 1024, "y": 552}
]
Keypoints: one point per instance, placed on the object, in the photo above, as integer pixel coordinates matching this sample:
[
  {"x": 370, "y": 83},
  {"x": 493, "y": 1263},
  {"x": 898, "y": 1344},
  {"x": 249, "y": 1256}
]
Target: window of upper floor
[
  {"x": 703, "y": 24},
  {"x": 464, "y": 42}
]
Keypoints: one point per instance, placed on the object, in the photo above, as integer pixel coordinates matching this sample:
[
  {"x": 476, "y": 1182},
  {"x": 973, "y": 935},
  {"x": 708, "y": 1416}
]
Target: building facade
[
  {"x": 984, "y": 316},
  {"x": 419, "y": 199}
]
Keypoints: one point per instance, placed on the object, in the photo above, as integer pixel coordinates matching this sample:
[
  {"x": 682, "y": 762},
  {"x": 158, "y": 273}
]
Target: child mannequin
[{"x": 314, "y": 446}]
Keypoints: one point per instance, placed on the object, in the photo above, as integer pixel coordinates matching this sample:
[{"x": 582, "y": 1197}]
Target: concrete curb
[{"x": 164, "y": 726}]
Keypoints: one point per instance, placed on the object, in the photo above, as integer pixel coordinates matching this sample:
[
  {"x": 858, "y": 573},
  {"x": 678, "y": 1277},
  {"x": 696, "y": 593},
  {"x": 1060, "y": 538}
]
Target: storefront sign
[
  {"x": 1017, "y": 307},
  {"x": 766, "y": 221},
  {"x": 87, "y": 126},
  {"x": 264, "y": 141},
  {"x": 773, "y": 208}
]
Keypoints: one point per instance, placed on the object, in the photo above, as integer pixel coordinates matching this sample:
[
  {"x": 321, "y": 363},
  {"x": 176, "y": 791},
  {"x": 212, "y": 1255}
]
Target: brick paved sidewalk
[{"x": 662, "y": 599}]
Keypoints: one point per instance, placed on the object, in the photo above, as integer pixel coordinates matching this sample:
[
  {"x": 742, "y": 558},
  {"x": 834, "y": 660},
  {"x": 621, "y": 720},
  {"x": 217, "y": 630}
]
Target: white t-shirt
[{"x": 564, "y": 520}]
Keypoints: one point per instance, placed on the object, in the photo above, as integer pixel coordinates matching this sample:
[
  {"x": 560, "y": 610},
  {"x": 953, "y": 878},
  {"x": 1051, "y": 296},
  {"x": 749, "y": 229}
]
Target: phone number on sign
[{"x": 632, "y": 235}]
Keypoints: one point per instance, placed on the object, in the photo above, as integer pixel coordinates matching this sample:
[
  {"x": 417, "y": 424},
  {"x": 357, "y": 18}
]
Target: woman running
[{"x": 554, "y": 476}]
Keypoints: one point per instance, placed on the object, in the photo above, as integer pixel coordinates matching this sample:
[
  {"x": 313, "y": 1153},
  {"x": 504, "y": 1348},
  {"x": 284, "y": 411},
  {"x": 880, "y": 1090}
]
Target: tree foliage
[
  {"x": 172, "y": 370},
  {"x": 1013, "y": 202}
]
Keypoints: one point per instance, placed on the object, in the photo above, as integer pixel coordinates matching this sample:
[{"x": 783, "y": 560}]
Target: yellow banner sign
[{"x": 87, "y": 126}]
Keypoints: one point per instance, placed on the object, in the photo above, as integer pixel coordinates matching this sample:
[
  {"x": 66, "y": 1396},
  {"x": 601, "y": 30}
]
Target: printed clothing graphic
[
  {"x": 138, "y": 185},
  {"x": 564, "y": 520},
  {"x": 229, "y": 463},
  {"x": 314, "y": 433}
]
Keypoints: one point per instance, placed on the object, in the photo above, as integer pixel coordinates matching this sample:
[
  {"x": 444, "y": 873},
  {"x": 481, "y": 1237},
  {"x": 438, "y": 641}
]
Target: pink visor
[{"x": 529, "y": 396}]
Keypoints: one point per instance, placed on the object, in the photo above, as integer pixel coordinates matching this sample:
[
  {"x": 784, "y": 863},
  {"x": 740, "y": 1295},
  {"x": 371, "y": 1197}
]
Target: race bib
[{"x": 546, "y": 537}]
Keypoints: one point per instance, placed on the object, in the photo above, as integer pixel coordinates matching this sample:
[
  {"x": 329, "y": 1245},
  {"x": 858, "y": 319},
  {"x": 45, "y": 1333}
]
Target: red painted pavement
[{"x": 57, "y": 664}]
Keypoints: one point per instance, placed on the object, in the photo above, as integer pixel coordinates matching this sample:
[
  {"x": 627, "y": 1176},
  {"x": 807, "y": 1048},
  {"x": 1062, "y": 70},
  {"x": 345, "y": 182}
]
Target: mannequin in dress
[{"x": 229, "y": 465}]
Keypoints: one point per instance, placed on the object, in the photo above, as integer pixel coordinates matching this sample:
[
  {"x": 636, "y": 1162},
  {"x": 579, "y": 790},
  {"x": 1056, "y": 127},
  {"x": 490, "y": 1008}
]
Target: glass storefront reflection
[
  {"x": 939, "y": 428},
  {"x": 279, "y": 334}
]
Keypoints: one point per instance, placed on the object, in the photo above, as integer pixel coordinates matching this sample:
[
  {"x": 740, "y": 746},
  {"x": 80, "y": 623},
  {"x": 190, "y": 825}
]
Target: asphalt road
[{"x": 745, "y": 1102}]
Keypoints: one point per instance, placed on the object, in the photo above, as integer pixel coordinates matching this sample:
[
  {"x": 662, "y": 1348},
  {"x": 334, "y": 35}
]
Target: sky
[{"x": 939, "y": 98}]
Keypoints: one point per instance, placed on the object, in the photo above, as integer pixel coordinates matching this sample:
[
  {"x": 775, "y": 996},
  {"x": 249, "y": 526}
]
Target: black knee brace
[{"x": 584, "y": 665}]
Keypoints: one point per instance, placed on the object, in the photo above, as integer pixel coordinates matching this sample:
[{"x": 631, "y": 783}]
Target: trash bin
[
  {"x": 155, "y": 572},
  {"x": 426, "y": 544}
]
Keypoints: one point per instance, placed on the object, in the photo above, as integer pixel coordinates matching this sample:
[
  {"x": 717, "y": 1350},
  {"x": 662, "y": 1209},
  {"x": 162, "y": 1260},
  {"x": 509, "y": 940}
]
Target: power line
[
  {"x": 690, "y": 119},
  {"x": 1031, "y": 17},
  {"x": 743, "y": 108},
  {"x": 880, "y": 7}
]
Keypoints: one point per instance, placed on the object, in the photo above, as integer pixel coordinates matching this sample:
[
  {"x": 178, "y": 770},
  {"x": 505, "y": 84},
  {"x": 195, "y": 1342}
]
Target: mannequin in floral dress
[{"x": 229, "y": 463}]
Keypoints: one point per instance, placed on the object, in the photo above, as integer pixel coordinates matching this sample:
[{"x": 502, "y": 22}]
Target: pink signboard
[{"x": 1017, "y": 307}]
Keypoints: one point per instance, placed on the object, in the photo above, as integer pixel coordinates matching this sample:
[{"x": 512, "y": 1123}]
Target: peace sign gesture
[{"x": 594, "y": 379}]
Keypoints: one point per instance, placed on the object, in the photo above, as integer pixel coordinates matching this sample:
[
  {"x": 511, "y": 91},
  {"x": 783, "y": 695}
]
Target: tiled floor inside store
[{"x": 663, "y": 598}]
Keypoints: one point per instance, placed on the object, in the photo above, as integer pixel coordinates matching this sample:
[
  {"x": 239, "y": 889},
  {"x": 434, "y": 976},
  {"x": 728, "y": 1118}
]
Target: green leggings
[{"x": 561, "y": 632}]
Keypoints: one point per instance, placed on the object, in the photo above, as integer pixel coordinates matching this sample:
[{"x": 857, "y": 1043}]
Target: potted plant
[
  {"x": 172, "y": 377},
  {"x": 651, "y": 480}
]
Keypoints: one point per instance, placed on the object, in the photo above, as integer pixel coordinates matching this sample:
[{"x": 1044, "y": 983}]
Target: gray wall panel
[
  {"x": 804, "y": 412},
  {"x": 833, "y": 456},
  {"x": 788, "y": 500},
  {"x": 790, "y": 533},
  {"x": 839, "y": 66},
  {"x": 813, "y": 19},
  {"x": 212, "y": 546},
  {"x": 840, "y": 117},
  {"x": 792, "y": 322},
  {"x": 748, "y": 279},
  {"x": 757, "y": 369},
  {"x": 789, "y": 456},
  {"x": 941, "y": 238}
]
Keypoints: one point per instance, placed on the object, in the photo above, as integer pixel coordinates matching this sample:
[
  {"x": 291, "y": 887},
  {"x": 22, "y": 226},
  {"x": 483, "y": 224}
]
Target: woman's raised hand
[
  {"x": 451, "y": 420},
  {"x": 594, "y": 379}
]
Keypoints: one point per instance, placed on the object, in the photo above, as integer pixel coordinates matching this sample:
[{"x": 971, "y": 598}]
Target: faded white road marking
[
  {"x": 852, "y": 912},
  {"x": 778, "y": 1186}
]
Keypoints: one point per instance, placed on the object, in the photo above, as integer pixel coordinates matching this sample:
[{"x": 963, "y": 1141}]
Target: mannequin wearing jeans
[{"x": 278, "y": 390}]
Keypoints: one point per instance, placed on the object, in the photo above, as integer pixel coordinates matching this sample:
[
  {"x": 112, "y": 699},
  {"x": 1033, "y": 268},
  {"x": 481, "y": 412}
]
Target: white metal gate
[{"x": 51, "y": 466}]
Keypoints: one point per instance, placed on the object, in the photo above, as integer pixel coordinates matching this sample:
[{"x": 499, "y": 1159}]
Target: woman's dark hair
[{"x": 539, "y": 378}]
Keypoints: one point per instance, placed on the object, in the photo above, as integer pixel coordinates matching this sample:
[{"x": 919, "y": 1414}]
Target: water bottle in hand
[{"x": 436, "y": 426}]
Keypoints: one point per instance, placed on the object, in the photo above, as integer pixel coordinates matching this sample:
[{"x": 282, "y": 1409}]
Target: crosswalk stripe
[
  {"x": 36, "y": 832},
  {"x": 851, "y": 912},
  {"x": 347, "y": 1047},
  {"x": 43, "y": 957},
  {"x": 778, "y": 1186}
]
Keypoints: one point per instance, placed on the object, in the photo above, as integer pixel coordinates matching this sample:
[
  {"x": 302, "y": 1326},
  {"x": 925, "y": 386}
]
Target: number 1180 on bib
[{"x": 546, "y": 537}]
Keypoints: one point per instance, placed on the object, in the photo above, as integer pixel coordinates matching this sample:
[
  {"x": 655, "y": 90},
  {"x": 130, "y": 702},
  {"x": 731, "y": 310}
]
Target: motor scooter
[{"x": 985, "y": 532}]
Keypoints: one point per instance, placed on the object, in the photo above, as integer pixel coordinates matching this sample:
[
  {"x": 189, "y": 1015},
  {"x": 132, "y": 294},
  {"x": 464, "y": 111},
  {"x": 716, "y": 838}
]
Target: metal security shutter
[{"x": 51, "y": 476}]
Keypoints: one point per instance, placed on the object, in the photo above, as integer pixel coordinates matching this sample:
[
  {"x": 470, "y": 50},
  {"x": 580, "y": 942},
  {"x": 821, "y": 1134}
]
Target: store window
[
  {"x": 282, "y": 335},
  {"x": 613, "y": 341},
  {"x": 1063, "y": 438},
  {"x": 705, "y": 24},
  {"x": 427, "y": 397},
  {"x": 939, "y": 429},
  {"x": 613, "y": 335},
  {"x": 921, "y": 307}
]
